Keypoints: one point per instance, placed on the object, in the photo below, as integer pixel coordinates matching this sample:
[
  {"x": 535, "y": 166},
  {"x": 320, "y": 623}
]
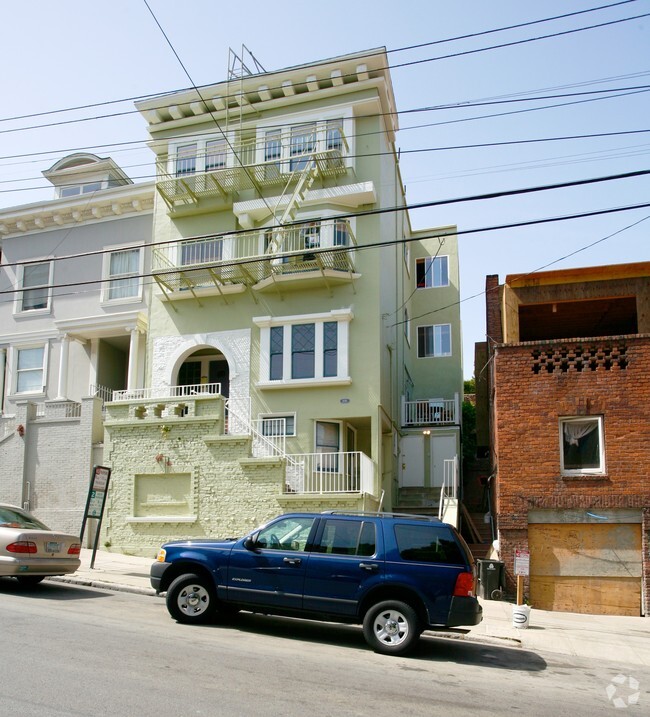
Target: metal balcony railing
[
  {"x": 251, "y": 257},
  {"x": 219, "y": 169}
]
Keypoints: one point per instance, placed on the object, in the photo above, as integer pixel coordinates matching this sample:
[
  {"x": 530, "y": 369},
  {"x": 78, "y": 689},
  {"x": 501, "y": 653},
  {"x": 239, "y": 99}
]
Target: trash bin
[{"x": 491, "y": 581}]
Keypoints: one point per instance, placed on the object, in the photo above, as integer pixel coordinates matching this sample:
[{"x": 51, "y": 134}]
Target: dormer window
[{"x": 75, "y": 189}]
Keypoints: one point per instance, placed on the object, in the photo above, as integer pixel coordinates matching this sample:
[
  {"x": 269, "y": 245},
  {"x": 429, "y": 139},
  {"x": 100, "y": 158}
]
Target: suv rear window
[
  {"x": 347, "y": 537},
  {"x": 428, "y": 544}
]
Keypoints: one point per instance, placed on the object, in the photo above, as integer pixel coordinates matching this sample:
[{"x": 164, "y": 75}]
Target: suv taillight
[
  {"x": 22, "y": 546},
  {"x": 464, "y": 585}
]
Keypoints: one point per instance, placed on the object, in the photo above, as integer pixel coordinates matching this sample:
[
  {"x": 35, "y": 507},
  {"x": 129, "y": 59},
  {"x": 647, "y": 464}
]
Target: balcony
[
  {"x": 218, "y": 170},
  {"x": 340, "y": 472},
  {"x": 431, "y": 412},
  {"x": 318, "y": 253}
]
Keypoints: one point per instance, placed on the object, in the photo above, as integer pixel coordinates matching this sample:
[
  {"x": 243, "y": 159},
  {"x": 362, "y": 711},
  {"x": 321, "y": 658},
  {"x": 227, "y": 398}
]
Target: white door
[
  {"x": 442, "y": 448},
  {"x": 412, "y": 449}
]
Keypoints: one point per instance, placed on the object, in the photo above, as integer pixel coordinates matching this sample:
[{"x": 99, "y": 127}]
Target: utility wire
[
  {"x": 372, "y": 245},
  {"x": 369, "y": 212},
  {"x": 324, "y": 62},
  {"x": 418, "y": 150}
]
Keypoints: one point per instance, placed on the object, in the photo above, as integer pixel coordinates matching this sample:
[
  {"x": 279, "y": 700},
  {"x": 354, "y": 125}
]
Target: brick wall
[{"x": 528, "y": 401}]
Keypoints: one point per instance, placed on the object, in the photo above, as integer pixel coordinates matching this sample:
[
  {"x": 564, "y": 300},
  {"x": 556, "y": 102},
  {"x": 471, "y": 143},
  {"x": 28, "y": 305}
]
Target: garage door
[{"x": 587, "y": 568}]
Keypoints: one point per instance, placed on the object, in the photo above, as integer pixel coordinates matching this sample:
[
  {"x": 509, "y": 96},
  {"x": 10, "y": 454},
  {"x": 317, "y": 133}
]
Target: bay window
[{"x": 304, "y": 349}]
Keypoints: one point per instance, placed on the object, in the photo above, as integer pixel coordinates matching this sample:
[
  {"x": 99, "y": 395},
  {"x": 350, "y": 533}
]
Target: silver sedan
[{"x": 30, "y": 551}]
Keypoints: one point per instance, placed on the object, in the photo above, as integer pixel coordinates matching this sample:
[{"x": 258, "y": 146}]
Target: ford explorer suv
[{"x": 397, "y": 575}]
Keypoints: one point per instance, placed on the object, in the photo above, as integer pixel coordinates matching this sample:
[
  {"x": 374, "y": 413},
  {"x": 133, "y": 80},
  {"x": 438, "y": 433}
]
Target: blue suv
[{"x": 397, "y": 575}]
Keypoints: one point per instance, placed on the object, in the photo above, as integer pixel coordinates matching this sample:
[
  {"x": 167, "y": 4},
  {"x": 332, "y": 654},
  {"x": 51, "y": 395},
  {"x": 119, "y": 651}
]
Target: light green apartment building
[{"x": 303, "y": 345}]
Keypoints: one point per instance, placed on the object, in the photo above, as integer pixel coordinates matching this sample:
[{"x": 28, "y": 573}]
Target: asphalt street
[{"x": 71, "y": 650}]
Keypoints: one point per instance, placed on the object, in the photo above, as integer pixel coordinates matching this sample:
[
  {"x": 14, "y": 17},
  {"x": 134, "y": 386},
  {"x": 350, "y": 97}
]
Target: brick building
[{"x": 569, "y": 400}]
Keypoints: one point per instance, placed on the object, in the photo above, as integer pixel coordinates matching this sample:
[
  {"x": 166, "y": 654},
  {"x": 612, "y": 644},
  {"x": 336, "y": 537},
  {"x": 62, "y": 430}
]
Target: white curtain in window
[
  {"x": 124, "y": 266},
  {"x": 575, "y": 430}
]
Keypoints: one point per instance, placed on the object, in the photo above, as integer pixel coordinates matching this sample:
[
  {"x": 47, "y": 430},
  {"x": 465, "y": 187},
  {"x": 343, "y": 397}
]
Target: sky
[{"x": 491, "y": 88}]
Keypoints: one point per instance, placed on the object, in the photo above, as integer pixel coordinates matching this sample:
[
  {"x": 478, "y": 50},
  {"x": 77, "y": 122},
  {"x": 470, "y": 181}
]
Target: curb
[{"x": 104, "y": 585}]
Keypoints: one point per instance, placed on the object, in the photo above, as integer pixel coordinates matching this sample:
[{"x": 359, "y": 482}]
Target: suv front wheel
[
  {"x": 191, "y": 599},
  {"x": 391, "y": 627}
]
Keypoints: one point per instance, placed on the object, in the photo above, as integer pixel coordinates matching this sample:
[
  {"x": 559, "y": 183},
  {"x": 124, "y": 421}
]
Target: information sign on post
[
  {"x": 95, "y": 503},
  {"x": 522, "y": 562},
  {"x": 522, "y": 569}
]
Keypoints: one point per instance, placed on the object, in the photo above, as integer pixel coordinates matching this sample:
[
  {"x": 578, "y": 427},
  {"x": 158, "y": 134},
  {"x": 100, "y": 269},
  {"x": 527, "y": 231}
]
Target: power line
[
  {"x": 530, "y": 273},
  {"x": 372, "y": 212},
  {"x": 372, "y": 245},
  {"x": 418, "y": 150},
  {"x": 325, "y": 62}
]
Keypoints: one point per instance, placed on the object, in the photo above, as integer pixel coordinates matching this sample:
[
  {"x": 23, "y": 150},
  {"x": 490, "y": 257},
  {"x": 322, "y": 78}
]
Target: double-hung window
[
  {"x": 186, "y": 159},
  {"x": 582, "y": 445},
  {"x": 301, "y": 144},
  {"x": 35, "y": 283},
  {"x": 124, "y": 275},
  {"x": 434, "y": 341},
  {"x": 278, "y": 424},
  {"x": 432, "y": 272},
  {"x": 30, "y": 371},
  {"x": 303, "y": 347},
  {"x": 312, "y": 348},
  {"x": 215, "y": 154}
]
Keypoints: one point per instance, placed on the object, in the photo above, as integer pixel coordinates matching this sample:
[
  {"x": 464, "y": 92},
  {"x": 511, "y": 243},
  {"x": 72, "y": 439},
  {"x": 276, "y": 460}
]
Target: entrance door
[
  {"x": 442, "y": 448},
  {"x": 412, "y": 461}
]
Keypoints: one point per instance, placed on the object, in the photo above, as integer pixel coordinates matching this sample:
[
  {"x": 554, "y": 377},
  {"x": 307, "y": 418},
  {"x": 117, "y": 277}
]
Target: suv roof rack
[{"x": 382, "y": 514}]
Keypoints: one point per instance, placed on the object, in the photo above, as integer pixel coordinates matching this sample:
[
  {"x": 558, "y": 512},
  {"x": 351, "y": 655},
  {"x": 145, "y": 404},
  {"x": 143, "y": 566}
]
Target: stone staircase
[{"x": 418, "y": 501}]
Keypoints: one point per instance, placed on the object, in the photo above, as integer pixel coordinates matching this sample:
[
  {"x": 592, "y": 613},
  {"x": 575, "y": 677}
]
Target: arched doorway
[{"x": 205, "y": 366}]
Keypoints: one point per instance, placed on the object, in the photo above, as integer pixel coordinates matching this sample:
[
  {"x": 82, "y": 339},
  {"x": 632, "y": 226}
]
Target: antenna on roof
[{"x": 237, "y": 66}]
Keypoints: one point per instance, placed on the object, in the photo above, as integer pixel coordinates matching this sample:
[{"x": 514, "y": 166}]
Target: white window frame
[
  {"x": 106, "y": 276},
  {"x": 13, "y": 368},
  {"x": 342, "y": 317},
  {"x": 201, "y": 153},
  {"x": 430, "y": 272},
  {"x": 601, "y": 470},
  {"x": 322, "y": 121},
  {"x": 436, "y": 345},
  {"x": 18, "y": 299},
  {"x": 285, "y": 415}
]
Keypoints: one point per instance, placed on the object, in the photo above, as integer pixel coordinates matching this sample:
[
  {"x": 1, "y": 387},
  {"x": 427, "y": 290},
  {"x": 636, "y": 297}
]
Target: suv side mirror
[{"x": 250, "y": 543}]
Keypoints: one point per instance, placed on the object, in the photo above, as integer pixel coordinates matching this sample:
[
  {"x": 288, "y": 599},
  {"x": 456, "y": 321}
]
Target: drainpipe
[{"x": 3, "y": 363}]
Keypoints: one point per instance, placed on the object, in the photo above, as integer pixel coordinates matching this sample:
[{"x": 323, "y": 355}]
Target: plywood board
[
  {"x": 594, "y": 596},
  {"x": 588, "y": 550}
]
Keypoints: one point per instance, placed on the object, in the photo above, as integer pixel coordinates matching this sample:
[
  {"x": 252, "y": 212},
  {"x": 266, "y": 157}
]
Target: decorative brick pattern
[{"x": 564, "y": 358}]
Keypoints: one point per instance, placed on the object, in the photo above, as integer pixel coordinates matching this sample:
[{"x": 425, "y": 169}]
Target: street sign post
[
  {"x": 97, "y": 492},
  {"x": 522, "y": 568}
]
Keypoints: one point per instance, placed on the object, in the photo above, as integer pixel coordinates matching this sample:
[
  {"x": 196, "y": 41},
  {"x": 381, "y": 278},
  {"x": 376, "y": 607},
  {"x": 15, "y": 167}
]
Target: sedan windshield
[{"x": 16, "y": 518}]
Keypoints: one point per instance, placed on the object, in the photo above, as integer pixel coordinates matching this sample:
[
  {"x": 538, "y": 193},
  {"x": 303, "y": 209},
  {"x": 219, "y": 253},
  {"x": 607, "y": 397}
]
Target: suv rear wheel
[
  {"x": 391, "y": 627},
  {"x": 191, "y": 599}
]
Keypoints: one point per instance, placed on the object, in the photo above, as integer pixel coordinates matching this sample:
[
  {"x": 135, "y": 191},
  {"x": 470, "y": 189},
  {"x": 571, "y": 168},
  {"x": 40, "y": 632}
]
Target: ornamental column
[
  {"x": 134, "y": 360},
  {"x": 62, "y": 393}
]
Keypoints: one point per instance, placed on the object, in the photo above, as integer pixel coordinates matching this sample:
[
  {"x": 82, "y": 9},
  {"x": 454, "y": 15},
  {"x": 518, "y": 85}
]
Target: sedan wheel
[
  {"x": 191, "y": 599},
  {"x": 391, "y": 627},
  {"x": 29, "y": 580}
]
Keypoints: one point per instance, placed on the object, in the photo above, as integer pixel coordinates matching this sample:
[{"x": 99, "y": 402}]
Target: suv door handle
[
  {"x": 292, "y": 561},
  {"x": 369, "y": 566}
]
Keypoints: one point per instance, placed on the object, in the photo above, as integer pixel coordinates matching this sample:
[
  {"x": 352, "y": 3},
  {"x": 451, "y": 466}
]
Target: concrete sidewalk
[{"x": 618, "y": 639}]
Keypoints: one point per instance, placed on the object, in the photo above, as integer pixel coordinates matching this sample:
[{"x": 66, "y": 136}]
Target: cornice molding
[{"x": 106, "y": 204}]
